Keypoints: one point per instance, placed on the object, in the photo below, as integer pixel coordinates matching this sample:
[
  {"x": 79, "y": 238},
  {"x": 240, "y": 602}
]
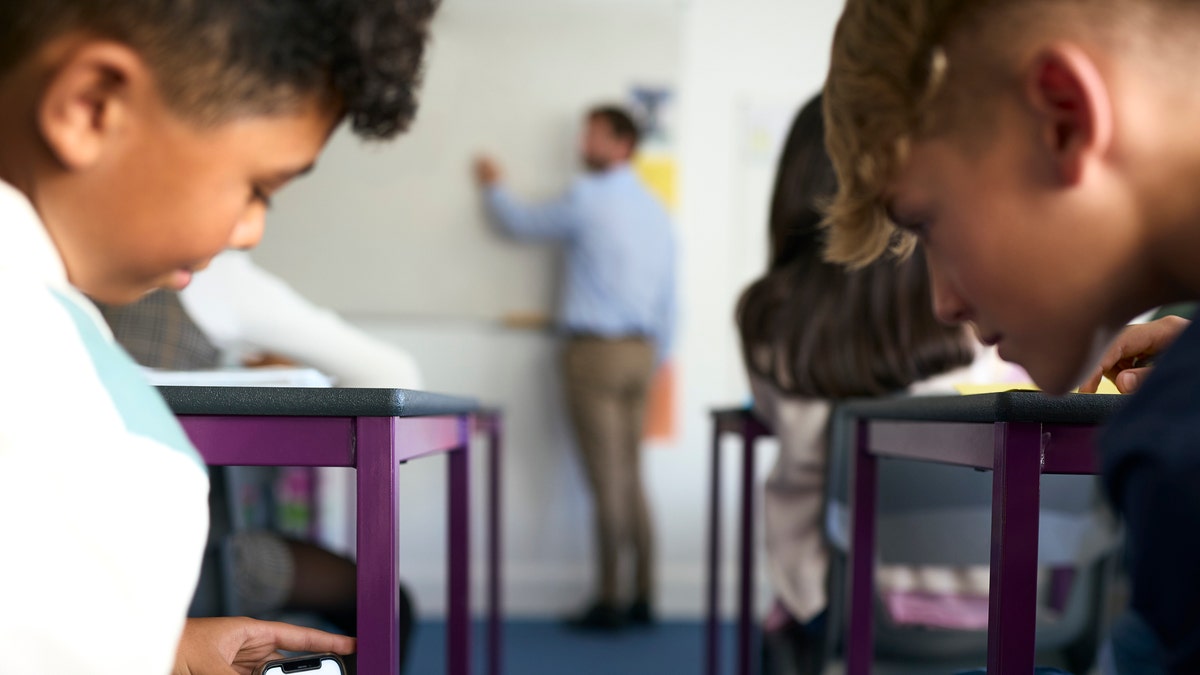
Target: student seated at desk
[
  {"x": 138, "y": 139},
  {"x": 812, "y": 333},
  {"x": 1044, "y": 156},
  {"x": 257, "y": 315},
  {"x": 235, "y": 313}
]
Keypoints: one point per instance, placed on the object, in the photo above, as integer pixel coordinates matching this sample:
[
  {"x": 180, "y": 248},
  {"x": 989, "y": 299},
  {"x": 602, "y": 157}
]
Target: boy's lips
[{"x": 180, "y": 280}]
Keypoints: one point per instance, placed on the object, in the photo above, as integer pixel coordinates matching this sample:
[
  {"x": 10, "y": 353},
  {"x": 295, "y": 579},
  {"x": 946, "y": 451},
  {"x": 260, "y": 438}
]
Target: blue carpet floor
[{"x": 546, "y": 648}]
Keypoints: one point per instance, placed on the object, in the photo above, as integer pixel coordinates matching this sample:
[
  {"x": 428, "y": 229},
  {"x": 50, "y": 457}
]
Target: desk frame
[
  {"x": 375, "y": 447},
  {"x": 1018, "y": 453},
  {"x": 1018, "y": 435},
  {"x": 750, "y": 429}
]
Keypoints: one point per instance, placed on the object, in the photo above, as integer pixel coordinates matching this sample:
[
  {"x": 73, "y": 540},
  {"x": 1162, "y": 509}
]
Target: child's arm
[
  {"x": 1127, "y": 361},
  {"x": 261, "y": 309}
]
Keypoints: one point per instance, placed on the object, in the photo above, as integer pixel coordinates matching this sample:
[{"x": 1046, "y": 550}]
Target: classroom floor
[{"x": 546, "y": 648}]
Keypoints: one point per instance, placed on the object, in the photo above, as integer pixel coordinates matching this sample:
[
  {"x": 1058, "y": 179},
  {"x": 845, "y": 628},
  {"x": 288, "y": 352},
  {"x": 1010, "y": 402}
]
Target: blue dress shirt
[{"x": 620, "y": 266}]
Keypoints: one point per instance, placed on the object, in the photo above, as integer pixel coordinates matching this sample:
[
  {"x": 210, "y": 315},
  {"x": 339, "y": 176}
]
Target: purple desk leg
[
  {"x": 495, "y": 545},
  {"x": 746, "y": 581},
  {"x": 458, "y": 594},
  {"x": 1015, "y": 500},
  {"x": 712, "y": 630},
  {"x": 378, "y": 578},
  {"x": 859, "y": 646}
]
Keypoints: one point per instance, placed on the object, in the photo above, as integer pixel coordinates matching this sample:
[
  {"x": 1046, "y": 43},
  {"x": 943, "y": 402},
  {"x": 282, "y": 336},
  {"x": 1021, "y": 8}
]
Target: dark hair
[
  {"x": 815, "y": 329},
  {"x": 216, "y": 59},
  {"x": 620, "y": 122}
]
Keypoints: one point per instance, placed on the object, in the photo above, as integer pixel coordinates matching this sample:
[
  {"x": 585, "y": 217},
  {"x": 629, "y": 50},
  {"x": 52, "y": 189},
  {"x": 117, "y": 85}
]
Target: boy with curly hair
[{"x": 138, "y": 139}]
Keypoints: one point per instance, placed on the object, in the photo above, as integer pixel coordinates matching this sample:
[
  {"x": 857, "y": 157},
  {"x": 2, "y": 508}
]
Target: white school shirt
[
  {"x": 103, "y": 501},
  {"x": 243, "y": 308}
]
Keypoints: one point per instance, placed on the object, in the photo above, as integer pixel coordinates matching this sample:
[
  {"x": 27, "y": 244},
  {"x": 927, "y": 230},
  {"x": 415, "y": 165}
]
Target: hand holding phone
[
  {"x": 213, "y": 645},
  {"x": 312, "y": 664}
]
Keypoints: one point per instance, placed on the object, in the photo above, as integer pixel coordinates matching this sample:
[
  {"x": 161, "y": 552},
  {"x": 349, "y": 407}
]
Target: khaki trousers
[{"x": 607, "y": 381}]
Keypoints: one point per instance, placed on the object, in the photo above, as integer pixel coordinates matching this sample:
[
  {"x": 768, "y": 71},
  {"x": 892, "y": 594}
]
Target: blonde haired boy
[{"x": 1046, "y": 156}]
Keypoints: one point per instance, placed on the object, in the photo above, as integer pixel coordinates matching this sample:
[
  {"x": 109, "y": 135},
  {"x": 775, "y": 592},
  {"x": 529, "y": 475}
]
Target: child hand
[
  {"x": 236, "y": 646},
  {"x": 1126, "y": 362}
]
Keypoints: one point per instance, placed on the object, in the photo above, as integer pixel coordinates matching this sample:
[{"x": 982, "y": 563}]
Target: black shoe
[
  {"x": 795, "y": 648},
  {"x": 599, "y": 617},
  {"x": 640, "y": 614}
]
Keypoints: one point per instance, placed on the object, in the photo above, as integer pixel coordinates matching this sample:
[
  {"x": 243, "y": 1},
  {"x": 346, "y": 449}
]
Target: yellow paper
[
  {"x": 658, "y": 172},
  {"x": 1106, "y": 387}
]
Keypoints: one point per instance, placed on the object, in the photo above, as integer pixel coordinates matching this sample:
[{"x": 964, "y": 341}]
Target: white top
[
  {"x": 103, "y": 501},
  {"x": 794, "y": 497},
  {"x": 243, "y": 308}
]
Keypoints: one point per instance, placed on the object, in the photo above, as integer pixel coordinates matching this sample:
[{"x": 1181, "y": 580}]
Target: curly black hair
[{"x": 217, "y": 59}]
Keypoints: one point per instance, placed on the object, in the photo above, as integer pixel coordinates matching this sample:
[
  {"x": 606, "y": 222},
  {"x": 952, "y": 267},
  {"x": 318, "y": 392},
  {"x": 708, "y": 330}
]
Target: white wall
[
  {"x": 738, "y": 55},
  {"x": 507, "y": 78}
]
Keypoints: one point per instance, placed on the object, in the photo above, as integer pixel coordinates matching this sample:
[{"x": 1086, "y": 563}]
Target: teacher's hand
[
  {"x": 1127, "y": 361},
  {"x": 487, "y": 171},
  {"x": 236, "y": 646}
]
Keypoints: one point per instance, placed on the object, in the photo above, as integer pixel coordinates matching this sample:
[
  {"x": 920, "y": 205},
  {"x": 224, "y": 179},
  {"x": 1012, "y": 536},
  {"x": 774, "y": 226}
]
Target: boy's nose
[
  {"x": 249, "y": 230},
  {"x": 948, "y": 305}
]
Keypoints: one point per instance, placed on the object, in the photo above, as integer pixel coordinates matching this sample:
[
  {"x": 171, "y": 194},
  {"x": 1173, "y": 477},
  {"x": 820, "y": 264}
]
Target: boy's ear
[
  {"x": 86, "y": 101},
  {"x": 1072, "y": 107}
]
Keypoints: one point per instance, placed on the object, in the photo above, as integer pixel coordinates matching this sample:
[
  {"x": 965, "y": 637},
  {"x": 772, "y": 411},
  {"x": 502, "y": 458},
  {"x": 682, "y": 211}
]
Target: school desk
[
  {"x": 744, "y": 423},
  {"x": 1017, "y": 435},
  {"x": 374, "y": 431}
]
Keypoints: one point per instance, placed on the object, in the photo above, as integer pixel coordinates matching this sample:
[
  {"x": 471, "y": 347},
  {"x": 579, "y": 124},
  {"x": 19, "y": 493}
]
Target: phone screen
[{"x": 309, "y": 665}]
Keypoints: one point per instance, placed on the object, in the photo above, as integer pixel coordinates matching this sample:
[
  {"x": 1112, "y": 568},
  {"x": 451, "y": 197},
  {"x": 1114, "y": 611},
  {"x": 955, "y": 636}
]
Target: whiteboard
[{"x": 398, "y": 228}]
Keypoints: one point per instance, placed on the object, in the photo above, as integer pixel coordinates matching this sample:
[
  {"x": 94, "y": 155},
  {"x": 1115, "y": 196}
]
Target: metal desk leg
[
  {"x": 712, "y": 631},
  {"x": 495, "y": 545},
  {"x": 1016, "y": 492},
  {"x": 378, "y": 573},
  {"x": 458, "y": 592},
  {"x": 746, "y": 582},
  {"x": 860, "y": 641}
]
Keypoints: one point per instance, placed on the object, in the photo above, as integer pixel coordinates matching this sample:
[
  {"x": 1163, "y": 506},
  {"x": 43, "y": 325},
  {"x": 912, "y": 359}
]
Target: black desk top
[
  {"x": 313, "y": 402},
  {"x": 1009, "y": 406}
]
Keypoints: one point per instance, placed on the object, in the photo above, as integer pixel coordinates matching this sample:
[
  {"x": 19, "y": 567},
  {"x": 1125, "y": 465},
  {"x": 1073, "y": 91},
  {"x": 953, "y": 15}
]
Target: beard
[{"x": 596, "y": 164}]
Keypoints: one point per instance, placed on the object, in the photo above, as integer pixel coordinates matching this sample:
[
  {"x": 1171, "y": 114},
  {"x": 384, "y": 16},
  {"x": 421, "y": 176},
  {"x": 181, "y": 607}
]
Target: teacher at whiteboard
[{"x": 617, "y": 315}]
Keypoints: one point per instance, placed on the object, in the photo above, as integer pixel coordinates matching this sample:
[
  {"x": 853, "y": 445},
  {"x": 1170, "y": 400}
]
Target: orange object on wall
[{"x": 660, "y": 408}]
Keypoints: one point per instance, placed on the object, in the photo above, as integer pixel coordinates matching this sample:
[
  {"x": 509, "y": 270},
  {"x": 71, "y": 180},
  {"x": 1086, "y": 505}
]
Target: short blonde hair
[
  {"x": 905, "y": 69},
  {"x": 885, "y": 68}
]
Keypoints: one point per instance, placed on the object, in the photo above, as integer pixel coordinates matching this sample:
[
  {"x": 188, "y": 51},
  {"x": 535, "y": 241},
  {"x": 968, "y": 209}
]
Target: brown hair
[
  {"x": 815, "y": 329},
  {"x": 903, "y": 71},
  {"x": 620, "y": 122}
]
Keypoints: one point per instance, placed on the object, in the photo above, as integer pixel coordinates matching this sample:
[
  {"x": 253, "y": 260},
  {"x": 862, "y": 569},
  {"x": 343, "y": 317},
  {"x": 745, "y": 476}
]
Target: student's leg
[
  {"x": 793, "y": 508},
  {"x": 274, "y": 573},
  {"x": 796, "y": 550},
  {"x": 593, "y": 398}
]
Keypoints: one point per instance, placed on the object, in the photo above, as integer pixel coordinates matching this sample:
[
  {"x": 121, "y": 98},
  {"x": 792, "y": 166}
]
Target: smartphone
[{"x": 312, "y": 664}]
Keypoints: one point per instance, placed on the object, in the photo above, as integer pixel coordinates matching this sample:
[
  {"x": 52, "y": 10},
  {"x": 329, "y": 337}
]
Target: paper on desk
[
  {"x": 1106, "y": 387},
  {"x": 239, "y": 377}
]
